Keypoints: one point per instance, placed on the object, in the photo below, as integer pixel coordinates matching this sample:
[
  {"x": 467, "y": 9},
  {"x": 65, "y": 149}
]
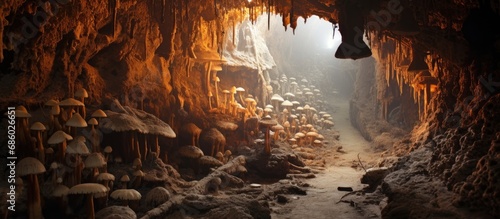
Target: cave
[{"x": 250, "y": 109}]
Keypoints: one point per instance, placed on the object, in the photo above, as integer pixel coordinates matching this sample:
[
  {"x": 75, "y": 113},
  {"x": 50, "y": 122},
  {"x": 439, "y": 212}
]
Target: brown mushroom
[
  {"x": 75, "y": 150},
  {"x": 30, "y": 167},
  {"x": 267, "y": 122},
  {"x": 95, "y": 161},
  {"x": 124, "y": 180},
  {"x": 137, "y": 179},
  {"x": 89, "y": 189},
  {"x": 76, "y": 121},
  {"x": 68, "y": 106},
  {"x": 38, "y": 128},
  {"x": 81, "y": 94},
  {"x": 94, "y": 135},
  {"x": 60, "y": 139},
  {"x": 99, "y": 114},
  {"x": 126, "y": 195}
]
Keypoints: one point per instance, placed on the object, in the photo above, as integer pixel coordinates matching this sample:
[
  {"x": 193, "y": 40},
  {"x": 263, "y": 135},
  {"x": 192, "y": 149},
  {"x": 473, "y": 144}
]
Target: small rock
[{"x": 282, "y": 199}]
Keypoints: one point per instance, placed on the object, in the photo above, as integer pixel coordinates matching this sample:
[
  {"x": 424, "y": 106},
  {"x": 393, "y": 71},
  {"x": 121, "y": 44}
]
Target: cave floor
[{"x": 341, "y": 169}]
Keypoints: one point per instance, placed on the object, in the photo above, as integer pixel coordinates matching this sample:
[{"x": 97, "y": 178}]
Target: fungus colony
[{"x": 66, "y": 163}]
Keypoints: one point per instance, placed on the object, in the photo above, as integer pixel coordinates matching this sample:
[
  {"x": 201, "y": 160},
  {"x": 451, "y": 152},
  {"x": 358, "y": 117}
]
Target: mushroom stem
[
  {"x": 268, "y": 145},
  {"x": 95, "y": 139},
  {"x": 90, "y": 205},
  {"x": 157, "y": 146},
  {"x": 61, "y": 152},
  {"x": 35, "y": 210},
  {"x": 207, "y": 78},
  {"x": 41, "y": 149}
]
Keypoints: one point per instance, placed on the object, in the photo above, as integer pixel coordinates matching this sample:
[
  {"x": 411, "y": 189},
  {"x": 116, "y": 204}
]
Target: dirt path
[{"x": 342, "y": 169}]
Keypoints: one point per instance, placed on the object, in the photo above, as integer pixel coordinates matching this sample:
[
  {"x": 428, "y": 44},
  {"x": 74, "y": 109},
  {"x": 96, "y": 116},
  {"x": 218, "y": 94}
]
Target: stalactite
[
  {"x": 234, "y": 33},
  {"x": 153, "y": 7},
  {"x": 163, "y": 2},
  {"x": 215, "y": 8},
  {"x": 268, "y": 14}
]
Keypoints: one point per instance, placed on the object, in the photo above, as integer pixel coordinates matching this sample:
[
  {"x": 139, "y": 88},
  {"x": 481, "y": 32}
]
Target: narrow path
[{"x": 322, "y": 196}]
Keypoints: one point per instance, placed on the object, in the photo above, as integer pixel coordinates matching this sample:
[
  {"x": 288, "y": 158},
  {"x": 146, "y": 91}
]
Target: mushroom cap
[
  {"x": 293, "y": 82},
  {"x": 116, "y": 212},
  {"x": 248, "y": 100},
  {"x": 81, "y": 93},
  {"x": 312, "y": 134},
  {"x": 55, "y": 110},
  {"x": 105, "y": 177},
  {"x": 317, "y": 142},
  {"x": 233, "y": 89},
  {"x": 88, "y": 188},
  {"x": 76, "y": 121},
  {"x": 299, "y": 135},
  {"x": 95, "y": 160},
  {"x": 190, "y": 151},
  {"x": 126, "y": 194},
  {"x": 59, "y": 137},
  {"x": 210, "y": 161},
  {"x": 277, "y": 127},
  {"x": 49, "y": 151},
  {"x": 21, "y": 112},
  {"x": 277, "y": 97},
  {"x": 77, "y": 147},
  {"x": 286, "y": 103},
  {"x": 240, "y": 89},
  {"x": 266, "y": 121},
  {"x": 138, "y": 173},
  {"x": 60, "y": 191},
  {"x": 295, "y": 102},
  {"x": 99, "y": 114},
  {"x": 216, "y": 68},
  {"x": 219, "y": 155},
  {"x": 228, "y": 153},
  {"x": 38, "y": 126},
  {"x": 289, "y": 94},
  {"x": 225, "y": 91},
  {"x": 51, "y": 102},
  {"x": 269, "y": 106},
  {"x": 28, "y": 166},
  {"x": 125, "y": 178},
  {"x": 108, "y": 149},
  {"x": 320, "y": 137},
  {"x": 268, "y": 110},
  {"x": 93, "y": 121},
  {"x": 71, "y": 102},
  {"x": 157, "y": 196},
  {"x": 207, "y": 55}
]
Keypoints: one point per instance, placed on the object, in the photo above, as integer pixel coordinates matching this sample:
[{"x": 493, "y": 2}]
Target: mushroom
[
  {"x": 240, "y": 91},
  {"x": 107, "y": 151},
  {"x": 105, "y": 178},
  {"x": 60, "y": 192},
  {"x": 191, "y": 131},
  {"x": 60, "y": 138},
  {"x": 76, "y": 149},
  {"x": 89, "y": 189},
  {"x": 276, "y": 99},
  {"x": 81, "y": 94},
  {"x": 126, "y": 195},
  {"x": 30, "y": 167},
  {"x": 210, "y": 95},
  {"x": 95, "y": 161},
  {"x": 99, "y": 114},
  {"x": 219, "y": 156},
  {"x": 124, "y": 180},
  {"x": 156, "y": 196},
  {"x": 94, "y": 136},
  {"x": 76, "y": 121},
  {"x": 137, "y": 179},
  {"x": 312, "y": 136},
  {"x": 232, "y": 100},
  {"x": 226, "y": 103},
  {"x": 68, "y": 106},
  {"x": 267, "y": 122},
  {"x": 114, "y": 211},
  {"x": 276, "y": 129},
  {"x": 38, "y": 127},
  {"x": 22, "y": 129},
  {"x": 212, "y": 141},
  {"x": 228, "y": 156},
  {"x": 137, "y": 164},
  {"x": 217, "y": 102}
]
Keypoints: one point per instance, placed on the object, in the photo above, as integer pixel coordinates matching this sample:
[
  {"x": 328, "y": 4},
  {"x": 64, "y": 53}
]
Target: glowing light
[{"x": 249, "y": 1}]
